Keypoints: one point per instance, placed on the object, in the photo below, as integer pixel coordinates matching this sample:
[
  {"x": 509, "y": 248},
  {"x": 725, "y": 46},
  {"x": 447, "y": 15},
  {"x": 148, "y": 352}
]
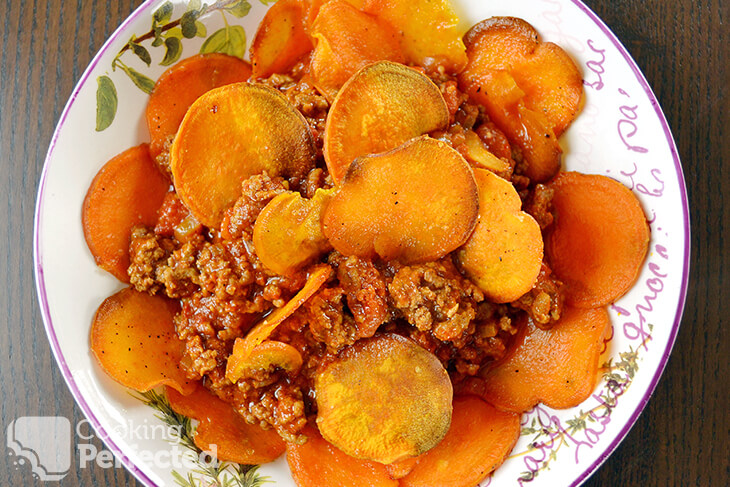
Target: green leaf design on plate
[
  {"x": 173, "y": 49},
  {"x": 187, "y": 24},
  {"x": 194, "y": 5},
  {"x": 239, "y": 8},
  {"x": 202, "y": 29},
  {"x": 141, "y": 52},
  {"x": 141, "y": 81},
  {"x": 106, "y": 102},
  {"x": 229, "y": 40},
  {"x": 157, "y": 30},
  {"x": 164, "y": 13},
  {"x": 174, "y": 32},
  {"x": 267, "y": 2}
]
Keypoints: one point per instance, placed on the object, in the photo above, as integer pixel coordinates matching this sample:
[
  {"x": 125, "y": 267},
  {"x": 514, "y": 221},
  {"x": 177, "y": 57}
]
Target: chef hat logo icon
[{"x": 44, "y": 442}]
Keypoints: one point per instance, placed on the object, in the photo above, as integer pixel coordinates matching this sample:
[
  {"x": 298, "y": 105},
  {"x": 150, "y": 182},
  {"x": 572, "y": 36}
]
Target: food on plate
[
  {"x": 599, "y": 239},
  {"x": 369, "y": 256},
  {"x": 126, "y": 192}
]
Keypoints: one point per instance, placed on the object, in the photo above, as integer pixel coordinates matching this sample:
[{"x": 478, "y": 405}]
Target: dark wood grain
[{"x": 681, "y": 439}]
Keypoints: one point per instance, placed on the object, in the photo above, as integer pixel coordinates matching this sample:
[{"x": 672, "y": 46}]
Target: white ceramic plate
[{"x": 621, "y": 133}]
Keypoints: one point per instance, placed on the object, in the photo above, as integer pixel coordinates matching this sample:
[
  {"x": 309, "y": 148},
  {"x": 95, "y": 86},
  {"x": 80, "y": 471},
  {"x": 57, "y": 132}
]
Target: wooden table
[{"x": 682, "y": 48}]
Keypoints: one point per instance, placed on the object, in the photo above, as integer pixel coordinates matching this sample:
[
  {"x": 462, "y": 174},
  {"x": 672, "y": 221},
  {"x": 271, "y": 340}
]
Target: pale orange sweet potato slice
[
  {"x": 288, "y": 231},
  {"x": 479, "y": 440},
  {"x": 477, "y": 153},
  {"x": 225, "y": 432},
  {"x": 126, "y": 192},
  {"x": 134, "y": 341},
  {"x": 442, "y": 46},
  {"x": 281, "y": 39},
  {"x": 415, "y": 203},
  {"x": 401, "y": 468},
  {"x": 557, "y": 366},
  {"x": 504, "y": 253},
  {"x": 229, "y": 134},
  {"x": 381, "y": 107},
  {"x": 244, "y": 347},
  {"x": 181, "y": 85},
  {"x": 384, "y": 399},
  {"x": 599, "y": 239},
  {"x": 317, "y": 463},
  {"x": 271, "y": 354},
  {"x": 346, "y": 40}
]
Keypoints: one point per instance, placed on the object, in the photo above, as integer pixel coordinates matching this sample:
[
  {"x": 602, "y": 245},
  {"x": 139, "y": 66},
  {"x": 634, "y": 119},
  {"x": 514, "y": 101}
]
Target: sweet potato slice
[
  {"x": 557, "y": 366},
  {"x": 346, "y": 40},
  {"x": 134, "y": 341},
  {"x": 181, "y": 85},
  {"x": 244, "y": 347},
  {"x": 548, "y": 76},
  {"x": 599, "y": 239},
  {"x": 271, "y": 354},
  {"x": 414, "y": 204},
  {"x": 381, "y": 107},
  {"x": 223, "y": 431},
  {"x": 281, "y": 39},
  {"x": 384, "y": 399},
  {"x": 479, "y": 440},
  {"x": 126, "y": 192},
  {"x": 443, "y": 45},
  {"x": 317, "y": 463},
  {"x": 504, "y": 253},
  {"x": 229, "y": 134},
  {"x": 531, "y": 90},
  {"x": 288, "y": 231},
  {"x": 477, "y": 153},
  {"x": 401, "y": 468}
]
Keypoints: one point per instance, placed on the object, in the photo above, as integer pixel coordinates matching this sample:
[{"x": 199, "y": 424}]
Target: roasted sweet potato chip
[
  {"x": 384, "y": 399},
  {"x": 229, "y": 134},
  {"x": 223, "y": 431},
  {"x": 133, "y": 338},
  {"x": 126, "y": 192},
  {"x": 504, "y": 253},
  {"x": 557, "y": 366},
  {"x": 317, "y": 463},
  {"x": 478, "y": 155},
  {"x": 532, "y": 90},
  {"x": 443, "y": 45},
  {"x": 381, "y": 107},
  {"x": 479, "y": 440},
  {"x": 181, "y": 85},
  {"x": 599, "y": 239},
  {"x": 244, "y": 347},
  {"x": 288, "y": 231},
  {"x": 271, "y": 354},
  {"x": 281, "y": 39},
  {"x": 346, "y": 40},
  {"x": 414, "y": 204}
]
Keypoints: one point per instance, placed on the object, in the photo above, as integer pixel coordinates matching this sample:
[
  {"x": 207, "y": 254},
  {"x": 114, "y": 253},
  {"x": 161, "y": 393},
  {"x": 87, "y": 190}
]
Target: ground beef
[
  {"x": 544, "y": 302},
  {"x": 163, "y": 158},
  {"x": 436, "y": 297},
  {"x": 539, "y": 204},
  {"x": 328, "y": 322},
  {"x": 256, "y": 192}
]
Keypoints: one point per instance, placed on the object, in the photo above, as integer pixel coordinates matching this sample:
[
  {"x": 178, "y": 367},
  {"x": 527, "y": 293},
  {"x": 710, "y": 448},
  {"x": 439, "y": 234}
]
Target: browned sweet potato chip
[
  {"x": 181, "y": 85},
  {"x": 230, "y": 134},
  {"x": 384, "y": 399},
  {"x": 443, "y": 45},
  {"x": 244, "y": 347},
  {"x": 504, "y": 253},
  {"x": 413, "y": 204},
  {"x": 281, "y": 39},
  {"x": 599, "y": 239},
  {"x": 271, "y": 354},
  {"x": 288, "y": 231},
  {"x": 317, "y": 463},
  {"x": 223, "y": 431},
  {"x": 381, "y": 107},
  {"x": 133, "y": 338},
  {"x": 479, "y": 440},
  {"x": 532, "y": 90},
  {"x": 126, "y": 192},
  {"x": 346, "y": 40},
  {"x": 557, "y": 366}
]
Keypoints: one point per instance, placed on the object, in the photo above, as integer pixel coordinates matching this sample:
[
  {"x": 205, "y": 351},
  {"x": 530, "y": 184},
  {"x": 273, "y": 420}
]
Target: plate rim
[{"x": 136, "y": 471}]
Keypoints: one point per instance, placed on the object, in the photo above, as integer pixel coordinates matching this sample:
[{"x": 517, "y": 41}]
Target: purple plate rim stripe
[
  {"x": 136, "y": 471},
  {"x": 38, "y": 260},
  {"x": 685, "y": 270}
]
